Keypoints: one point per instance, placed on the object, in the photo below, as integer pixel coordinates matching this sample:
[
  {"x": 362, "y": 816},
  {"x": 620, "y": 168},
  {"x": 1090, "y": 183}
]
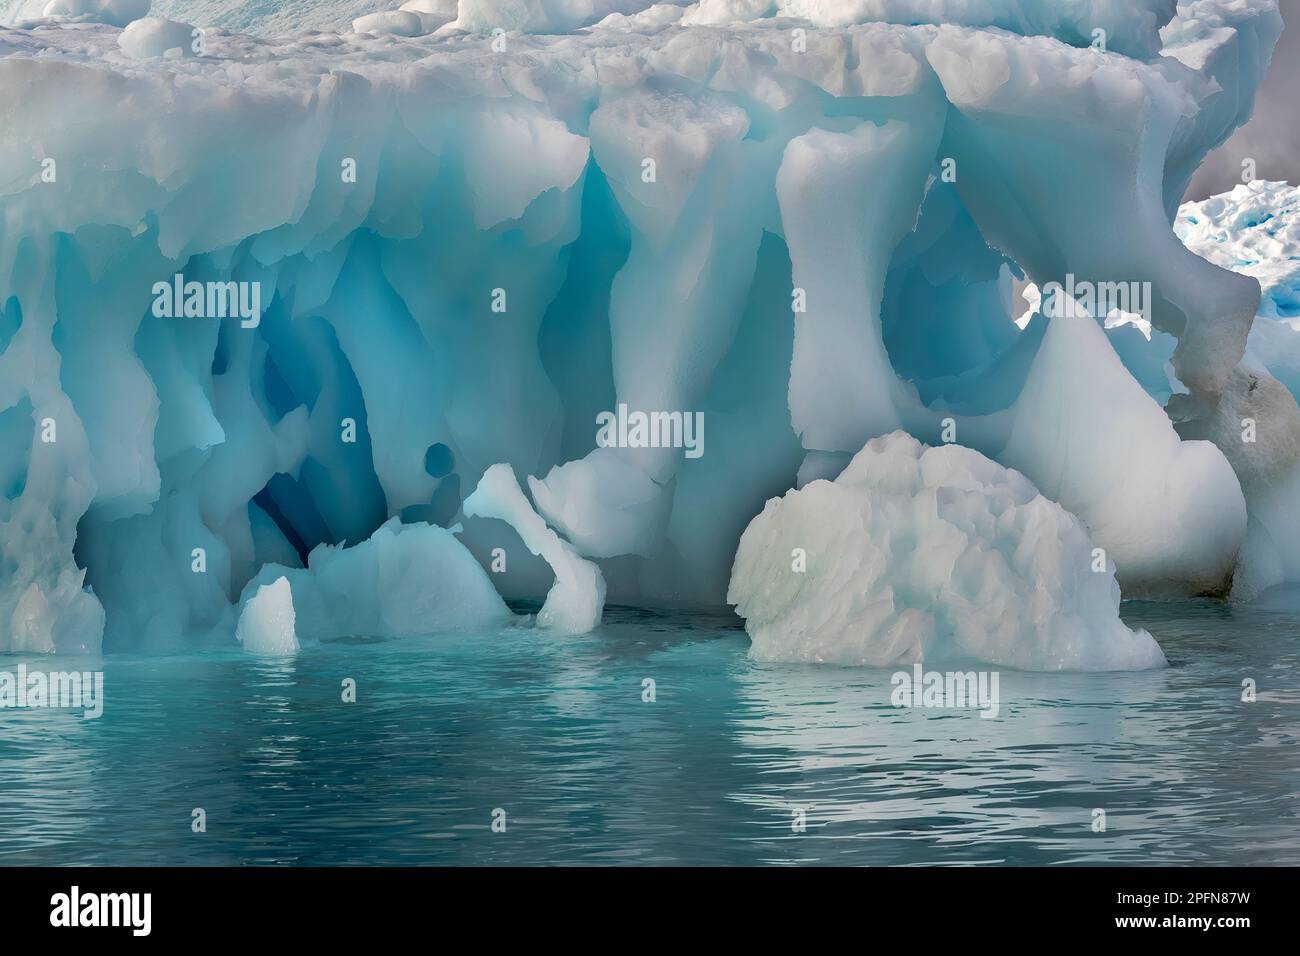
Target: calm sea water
[{"x": 554, "y": 731}]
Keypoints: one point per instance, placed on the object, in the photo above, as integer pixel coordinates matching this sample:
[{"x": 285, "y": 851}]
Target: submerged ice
[{"x": 475, "y": 236}]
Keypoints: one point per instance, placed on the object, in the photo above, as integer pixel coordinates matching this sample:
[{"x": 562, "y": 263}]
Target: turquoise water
[{"x": 554, "y": 731}]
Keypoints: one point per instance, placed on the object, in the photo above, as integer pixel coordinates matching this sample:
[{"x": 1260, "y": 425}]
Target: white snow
[
  {"x": 400, "y": 23},
  {"x": 116, "y": 12},
  {"x": 1132, "y": 27},
  {"x": 260, "y": 18},
  {"x": 432, "y": 13},
  {"x": 924, "y": 554},
  {"x": 156, "y": 36}
]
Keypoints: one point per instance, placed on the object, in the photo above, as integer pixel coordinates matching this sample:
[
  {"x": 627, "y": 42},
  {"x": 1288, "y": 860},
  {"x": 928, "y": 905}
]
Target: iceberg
[
  {"x": 472, "y": 232},
  {"x": 916, "y": 554}
]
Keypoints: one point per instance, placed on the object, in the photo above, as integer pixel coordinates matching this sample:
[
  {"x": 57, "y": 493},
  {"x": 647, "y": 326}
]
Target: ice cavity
[
  {"x": 266, "y": 624},
  {"x": 576, "y": 600},
  {"x": 403, "y": 581},
  {"x": 923, "y": 554}
]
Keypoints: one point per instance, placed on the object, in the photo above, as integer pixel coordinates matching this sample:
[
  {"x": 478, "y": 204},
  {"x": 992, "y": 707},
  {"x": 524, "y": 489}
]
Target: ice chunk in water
[
  {"x": 266, "y": 625},
  {"x": 404, "y": 580},
  {"x": 917, "y": 554}
]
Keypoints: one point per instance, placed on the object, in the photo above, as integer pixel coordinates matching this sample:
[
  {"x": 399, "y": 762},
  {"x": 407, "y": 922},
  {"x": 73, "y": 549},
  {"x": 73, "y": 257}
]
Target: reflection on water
[{"x": 555, "y": 732}]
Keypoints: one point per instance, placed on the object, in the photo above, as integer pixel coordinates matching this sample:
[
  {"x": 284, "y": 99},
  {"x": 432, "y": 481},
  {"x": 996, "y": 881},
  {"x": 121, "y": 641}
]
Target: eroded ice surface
[
  {"x": 923, "y": 554},
  {"x": 480, "y": 243},
  {"x": 1088, "y": 436},
  {"x": 575, "y": 601}
]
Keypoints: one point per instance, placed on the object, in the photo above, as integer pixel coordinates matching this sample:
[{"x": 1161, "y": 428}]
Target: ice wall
[{"x": 804, "y": 229}]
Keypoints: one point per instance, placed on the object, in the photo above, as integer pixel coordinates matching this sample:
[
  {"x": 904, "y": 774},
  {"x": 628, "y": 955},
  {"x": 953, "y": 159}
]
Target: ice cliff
[{"x": 803, "y": 221}]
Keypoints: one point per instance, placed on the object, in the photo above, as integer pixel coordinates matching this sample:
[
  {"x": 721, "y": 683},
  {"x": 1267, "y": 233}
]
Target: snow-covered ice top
[{"x": 1127, "y": 26}]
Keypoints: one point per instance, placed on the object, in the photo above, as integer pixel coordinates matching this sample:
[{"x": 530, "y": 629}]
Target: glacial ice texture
[
  {"x": 267, "y": 622},
  {"x": 921, "y": 554},
  {"x": 806, "y": 229},
  {"x": 403, "y": 581}
]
